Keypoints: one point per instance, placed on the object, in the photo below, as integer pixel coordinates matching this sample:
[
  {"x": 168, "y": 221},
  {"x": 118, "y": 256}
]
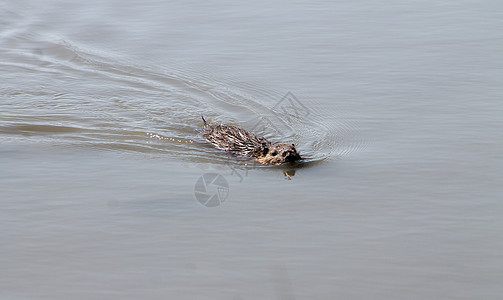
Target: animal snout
[{"x": 290, "y": 156}]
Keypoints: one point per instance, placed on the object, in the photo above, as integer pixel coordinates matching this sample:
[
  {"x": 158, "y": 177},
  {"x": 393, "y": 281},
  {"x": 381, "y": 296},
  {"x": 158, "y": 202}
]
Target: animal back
[{"x": 234, "y": 139}]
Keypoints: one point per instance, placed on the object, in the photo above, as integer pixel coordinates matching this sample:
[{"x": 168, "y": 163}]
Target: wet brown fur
[{"x": 239, "y": 141}]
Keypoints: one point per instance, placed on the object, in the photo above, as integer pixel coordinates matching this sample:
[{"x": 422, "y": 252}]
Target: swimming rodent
[{"x": 239, "y": 141}]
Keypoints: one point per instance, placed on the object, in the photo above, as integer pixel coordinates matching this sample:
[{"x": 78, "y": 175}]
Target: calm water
[{"x": 108, "y": 191}]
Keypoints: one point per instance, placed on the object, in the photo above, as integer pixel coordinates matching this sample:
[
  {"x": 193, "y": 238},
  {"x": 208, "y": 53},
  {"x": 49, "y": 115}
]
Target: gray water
[{"x": 108, "y": 191}]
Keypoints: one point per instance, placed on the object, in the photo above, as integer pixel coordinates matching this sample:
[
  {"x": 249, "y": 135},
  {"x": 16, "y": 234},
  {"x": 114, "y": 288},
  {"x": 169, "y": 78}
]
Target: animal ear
[
  {"x": 293, "y": 145},
  {"x": 265, "y": 151}
]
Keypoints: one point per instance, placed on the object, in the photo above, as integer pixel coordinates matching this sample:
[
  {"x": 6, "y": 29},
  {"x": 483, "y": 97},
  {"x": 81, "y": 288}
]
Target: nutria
[{"x": 239, "y": 141}]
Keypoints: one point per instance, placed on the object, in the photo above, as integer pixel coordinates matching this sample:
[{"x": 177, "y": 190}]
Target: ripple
[
  {"x": 107, "y": 102},
  {"x": 36, "y": 129}
]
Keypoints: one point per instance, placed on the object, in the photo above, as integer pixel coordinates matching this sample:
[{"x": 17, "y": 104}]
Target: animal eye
[{"x": 274, "y": 153}]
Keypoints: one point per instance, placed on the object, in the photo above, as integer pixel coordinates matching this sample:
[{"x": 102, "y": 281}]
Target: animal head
[{"x": 279, "y": 153}]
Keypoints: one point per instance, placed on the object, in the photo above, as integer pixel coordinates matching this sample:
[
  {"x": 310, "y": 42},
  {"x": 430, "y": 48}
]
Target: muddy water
[{"x": 107, "y": 189}]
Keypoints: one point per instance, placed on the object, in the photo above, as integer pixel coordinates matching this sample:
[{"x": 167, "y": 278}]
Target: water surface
[{"x": 396, "y": 109}]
